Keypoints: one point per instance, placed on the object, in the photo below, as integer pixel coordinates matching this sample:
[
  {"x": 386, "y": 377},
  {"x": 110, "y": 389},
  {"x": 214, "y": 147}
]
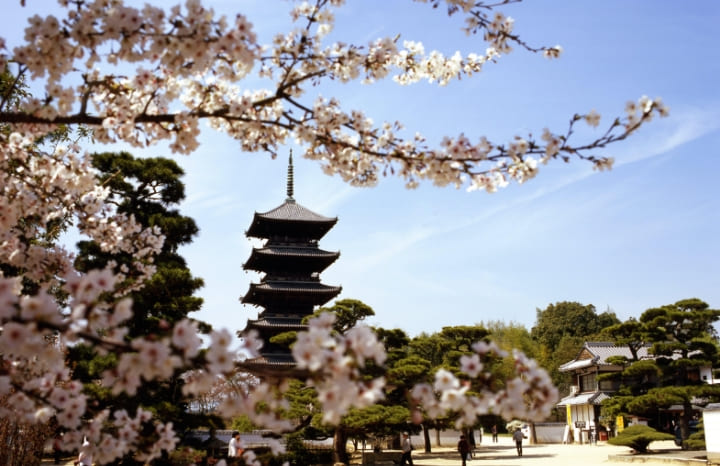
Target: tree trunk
[
  {"x": 684, "y": 420},
  {"x": 426, "y": 438},
  {"x": 533, "y": 436},
  {"x": 340, "y": 446},
  {"x": 437, "y": 437}
]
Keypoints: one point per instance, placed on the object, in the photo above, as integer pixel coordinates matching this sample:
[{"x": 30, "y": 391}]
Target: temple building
[{"x": 291, "y": 262}]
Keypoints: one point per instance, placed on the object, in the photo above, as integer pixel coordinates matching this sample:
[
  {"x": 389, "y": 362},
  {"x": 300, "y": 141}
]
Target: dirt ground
[{"x": 503, "y": 453}]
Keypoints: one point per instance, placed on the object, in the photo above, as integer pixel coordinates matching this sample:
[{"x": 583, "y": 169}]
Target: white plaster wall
[
  {"x": 711, "y": 421},
  {"x": 706, "y": 375}
]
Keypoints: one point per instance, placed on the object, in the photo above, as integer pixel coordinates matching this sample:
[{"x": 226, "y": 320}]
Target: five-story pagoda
[{"x": 291, "y": 262}]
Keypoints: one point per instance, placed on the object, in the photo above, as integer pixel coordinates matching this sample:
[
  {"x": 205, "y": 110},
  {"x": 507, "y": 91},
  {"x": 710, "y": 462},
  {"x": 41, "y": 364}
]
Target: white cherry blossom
[{"x": 188, "y": 67}]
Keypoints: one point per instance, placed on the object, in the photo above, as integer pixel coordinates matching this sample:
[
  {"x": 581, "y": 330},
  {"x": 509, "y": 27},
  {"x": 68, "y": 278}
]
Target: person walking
[
  {"x": 406, "y": 450},
  {"x": 85, "y": 456},
  {"x": 464, "y": 449},
  {"x": 234, "y": 448},
  {"x": 518, "y": 437},
  {"x": 57, "y": 448},
  {"x": 494, "y": 433}
]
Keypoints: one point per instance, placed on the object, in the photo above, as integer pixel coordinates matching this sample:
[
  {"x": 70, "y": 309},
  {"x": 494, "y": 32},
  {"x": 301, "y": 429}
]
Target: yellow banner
[
  {"x": 620, "y": 422},
  {"x": 568, "y": 409}
]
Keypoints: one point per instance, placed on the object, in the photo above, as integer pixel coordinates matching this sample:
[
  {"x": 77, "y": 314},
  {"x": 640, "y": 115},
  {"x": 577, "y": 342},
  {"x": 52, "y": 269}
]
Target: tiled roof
[
  {"x": 292, "y": 220},
  {"x": 274, "y": 365},
  {"x": 576, "y": 364},
  {"x": 294, "y": 324},
  {"x": 290, "y": 259},
  {"x": 314, "y": 293},
  {"x": 596, "y": 353},
  {"x": 594, "y": 398},
  {"x": 604, "y": 350},
  {"x": 291, "y": 210},
  {"x": 294, "y": 251},
  {"x": 277, "y": 359},
  {"x": 297, "y": 287}
]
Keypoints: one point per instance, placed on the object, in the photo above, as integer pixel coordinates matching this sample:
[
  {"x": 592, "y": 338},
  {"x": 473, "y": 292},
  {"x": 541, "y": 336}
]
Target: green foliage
[
  {"x": 561, "y": 329},
  {"x": 148, "y": 189},
  {"x": 376, "y": 421},
  {"x": 297, "y": 454},
  {"x": 242, "y": 424},
  {"x": 396, "y": 343},
  {"x": 284, "y": 338},
  {"x": 512, "y": 336},
  {"x": 643, "y": 369},
  {"x": 348, "y": 312},
  {"x": 405, "y": 371},
  {"x": 638, "y": 437},
  {"x": 683, "y": 339},
  {"x": 696, "y": 441},
  {"x": 569, "y": 318},
  {"x": 514, "y": 425},
  {"x": 186, "y": 456},
  {"x": 630, "y": 333},
  {"x": 301, "y": 400},
  {"x": 432, "y": 348}
]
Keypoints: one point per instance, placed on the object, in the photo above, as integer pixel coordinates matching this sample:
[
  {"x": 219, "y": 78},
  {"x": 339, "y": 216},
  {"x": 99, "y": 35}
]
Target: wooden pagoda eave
[
  {"x": 260, "y": 294},
  {"x": 290, "y": 218},
  {"x": 267, "y": 228},
  {"x": 265, "y": 367},
  {"x": 264, "y": 324},
  {"x": 290, "y": 259}
]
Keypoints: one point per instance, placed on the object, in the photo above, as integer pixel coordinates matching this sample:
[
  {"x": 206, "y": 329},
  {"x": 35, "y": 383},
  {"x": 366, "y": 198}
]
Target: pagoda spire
[{"x": 290, "y": 183}]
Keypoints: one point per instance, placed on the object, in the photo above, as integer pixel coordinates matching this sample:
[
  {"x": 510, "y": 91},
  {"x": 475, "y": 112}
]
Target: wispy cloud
[
  {"x": 682, "y": 127},
  {"x": 394, "y": 243},
  {"x": 332, "y": 201},
  {"x": 210, "y": 202},
  {"x": 686, "y": 127}
]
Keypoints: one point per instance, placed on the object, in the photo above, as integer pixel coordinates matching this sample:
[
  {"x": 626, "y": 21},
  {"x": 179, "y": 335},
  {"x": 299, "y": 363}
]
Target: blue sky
[{"x": 642, "y": 235}]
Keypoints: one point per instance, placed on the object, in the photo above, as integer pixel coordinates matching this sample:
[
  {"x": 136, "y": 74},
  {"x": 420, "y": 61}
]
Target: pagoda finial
[{"x": 290, "y": 179}]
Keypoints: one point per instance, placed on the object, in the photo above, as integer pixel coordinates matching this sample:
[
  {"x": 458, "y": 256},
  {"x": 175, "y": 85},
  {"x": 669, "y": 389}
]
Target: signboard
[
  {"x": 620, "y": 423},
  {"x": 568, "y": 410},
  {"x": 580, "y": 424}
]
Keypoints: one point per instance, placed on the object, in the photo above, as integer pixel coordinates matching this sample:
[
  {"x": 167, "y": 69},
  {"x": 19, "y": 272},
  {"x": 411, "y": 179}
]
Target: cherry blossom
[{"x": 141, "y": 76}]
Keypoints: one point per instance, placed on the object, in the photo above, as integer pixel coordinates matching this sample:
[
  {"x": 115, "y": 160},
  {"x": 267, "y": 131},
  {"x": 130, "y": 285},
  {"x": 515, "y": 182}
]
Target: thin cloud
[
  {"x": 209, "y": 201},
  {"x": 688, "y": 126}
]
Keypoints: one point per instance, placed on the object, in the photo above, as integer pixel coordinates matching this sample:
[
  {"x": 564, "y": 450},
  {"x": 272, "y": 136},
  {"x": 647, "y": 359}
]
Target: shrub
[
  {"x": 696, "y": 441},
  {"x": 186, "y": 456},
  {"x": 638, "y": 437}
]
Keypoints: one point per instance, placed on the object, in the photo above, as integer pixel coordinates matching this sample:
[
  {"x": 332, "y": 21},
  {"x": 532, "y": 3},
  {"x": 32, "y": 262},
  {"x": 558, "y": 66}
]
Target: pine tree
[{"x": 149, "y": 189}]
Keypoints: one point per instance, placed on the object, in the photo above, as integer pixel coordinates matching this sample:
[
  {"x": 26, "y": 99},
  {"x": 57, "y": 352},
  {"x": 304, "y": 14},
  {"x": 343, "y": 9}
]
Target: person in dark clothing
[
  {"x": 518, "y": 437},
  {"x": 494, "y": 433},
  {"x": 57, "y": 448},
  {"x": 464, "y": 449},
  {"x": 406, "y": 450}
]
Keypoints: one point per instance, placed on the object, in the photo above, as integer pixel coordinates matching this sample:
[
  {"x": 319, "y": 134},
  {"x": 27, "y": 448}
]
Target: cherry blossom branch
[{"x": 190, "y": 68}]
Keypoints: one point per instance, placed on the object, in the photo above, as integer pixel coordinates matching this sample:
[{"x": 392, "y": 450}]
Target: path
[{"x": 503, "y": 454}]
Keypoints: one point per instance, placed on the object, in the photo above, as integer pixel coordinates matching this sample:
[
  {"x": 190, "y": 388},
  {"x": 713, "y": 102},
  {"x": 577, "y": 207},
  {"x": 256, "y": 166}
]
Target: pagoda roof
[
  {"x": 291, "y": 210},
  {"x": 290, "y": 258},
  {"x": 288, "y": 216},
  {"x": 290, "y": 324},
  {"x": 273, "y": 365},
  {"x": 312, "y": 292}
]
